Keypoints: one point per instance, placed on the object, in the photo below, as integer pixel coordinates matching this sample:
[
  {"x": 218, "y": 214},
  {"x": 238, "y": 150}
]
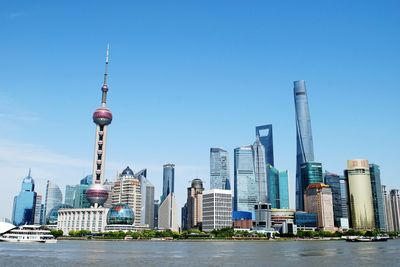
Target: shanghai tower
[
  {"x": 305, "y": 149},
  {"x": 97, "y": 194}
]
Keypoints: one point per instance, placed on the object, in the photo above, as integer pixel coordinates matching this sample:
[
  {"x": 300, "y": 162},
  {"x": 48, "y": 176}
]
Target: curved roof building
[{"x": 54, "y": 197}]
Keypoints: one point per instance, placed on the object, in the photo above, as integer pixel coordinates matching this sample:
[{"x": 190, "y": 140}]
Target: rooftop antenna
[{"x": 104, "y": 88}]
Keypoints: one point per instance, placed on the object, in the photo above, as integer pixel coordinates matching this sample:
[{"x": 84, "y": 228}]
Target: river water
[{"x": 208, "y": 253}]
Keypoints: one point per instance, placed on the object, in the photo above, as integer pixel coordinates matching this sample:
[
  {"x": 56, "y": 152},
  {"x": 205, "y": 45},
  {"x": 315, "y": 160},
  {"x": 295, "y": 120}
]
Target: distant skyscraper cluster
[{"x": 257, "y": 198}]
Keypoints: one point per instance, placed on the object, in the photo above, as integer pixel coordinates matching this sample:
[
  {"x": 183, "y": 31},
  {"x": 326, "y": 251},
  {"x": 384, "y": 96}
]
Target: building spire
[
  {"x": 104, "y": 88},
  {"x": 29, "y": 174}
]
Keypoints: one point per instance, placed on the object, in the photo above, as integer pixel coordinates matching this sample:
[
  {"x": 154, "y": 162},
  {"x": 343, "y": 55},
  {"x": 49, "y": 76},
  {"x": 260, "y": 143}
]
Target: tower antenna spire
[
  {"x": 104, "y": 88},
  {"x": 106, "y": 67}
]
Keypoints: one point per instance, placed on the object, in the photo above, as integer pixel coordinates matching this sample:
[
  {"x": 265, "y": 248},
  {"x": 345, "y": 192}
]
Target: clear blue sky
[{"x": 189, "y": 75}]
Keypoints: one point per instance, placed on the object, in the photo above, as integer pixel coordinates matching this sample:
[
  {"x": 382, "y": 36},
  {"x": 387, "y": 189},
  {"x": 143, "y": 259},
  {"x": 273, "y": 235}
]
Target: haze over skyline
[{"x": 185, "y": 76}]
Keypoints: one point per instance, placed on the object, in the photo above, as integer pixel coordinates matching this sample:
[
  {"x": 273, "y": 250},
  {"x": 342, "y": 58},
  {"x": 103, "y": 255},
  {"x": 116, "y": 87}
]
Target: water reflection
[{"x": 285, "y": 253}]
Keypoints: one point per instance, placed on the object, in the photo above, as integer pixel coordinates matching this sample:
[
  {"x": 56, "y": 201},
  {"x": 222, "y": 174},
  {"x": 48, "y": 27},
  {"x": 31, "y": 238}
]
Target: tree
[{"x": 57, "y": 233}]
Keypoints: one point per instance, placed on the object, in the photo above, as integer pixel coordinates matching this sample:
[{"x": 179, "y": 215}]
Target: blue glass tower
[
  {"x": 25, "y": 203},
  {"x": 219, "y": 169},
  {"x": 377, "y": 198},
  {"x": 305, "y": 149},
  {"x": 311, "y": 173},
  {"x": 278, "y": 190},
  {"x": 338, "y": 200},
  {"x": 264, "y": 132},
  {"x": 168, "y": 181},
  {"x": 245, "y": 186}
]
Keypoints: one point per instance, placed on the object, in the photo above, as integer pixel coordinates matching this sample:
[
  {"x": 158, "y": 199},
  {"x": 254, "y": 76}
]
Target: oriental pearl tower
[{"x": 97, "y": 194}]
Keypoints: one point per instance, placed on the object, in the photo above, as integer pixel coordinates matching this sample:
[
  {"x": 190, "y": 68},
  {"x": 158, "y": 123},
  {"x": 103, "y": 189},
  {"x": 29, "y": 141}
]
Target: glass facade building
[
  {"x": 245, "y": 185},
  {"x": 310, "y": 173},
  {"x": 305, "y": 148},
  {"x": 306, "y": 219},
  {"x": 53, "y": 197},
  {"x": 377, "y": 197},
  {"x": 38, "y": 210},
  {"x": 80, "y": 200},
  {"x": 219, "y": 169},
  {"x": 260, "y": 170},
  {"x": 25, "y": 203},
  {"x": 266, "y": 138},
  {"x": 70, "y": 194},
  {"x": 338, "y": 186},
  {"x": 168, "y": 180},
  {"x": 278, "y": 188}
]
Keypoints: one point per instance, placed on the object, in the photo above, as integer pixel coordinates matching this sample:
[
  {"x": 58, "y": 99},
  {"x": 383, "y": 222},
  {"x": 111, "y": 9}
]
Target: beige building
[
  {"x": 318, "y": 199},
  {"x": 168, "y": 214},
  {"x": 127, "y": 190},
  {"x": 195, "y": 204},
  {"x": 360, "y": 194}
]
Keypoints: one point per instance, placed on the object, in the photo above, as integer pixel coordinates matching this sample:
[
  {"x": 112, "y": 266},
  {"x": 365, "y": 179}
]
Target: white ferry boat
[{"x": 28, "y": 234}]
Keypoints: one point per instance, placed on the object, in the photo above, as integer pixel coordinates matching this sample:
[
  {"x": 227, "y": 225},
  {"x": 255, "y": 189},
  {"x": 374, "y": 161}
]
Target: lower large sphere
[
  {"x": 102, "y": 116},
  {"x": 97, "y": 194}
]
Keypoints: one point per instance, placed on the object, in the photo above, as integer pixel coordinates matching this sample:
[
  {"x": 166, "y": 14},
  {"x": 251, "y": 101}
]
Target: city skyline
[{"x": 163, "y": 94}]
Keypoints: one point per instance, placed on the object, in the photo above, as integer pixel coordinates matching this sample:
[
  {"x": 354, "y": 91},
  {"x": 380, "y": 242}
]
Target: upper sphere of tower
[{"x": 102, "y": 116}]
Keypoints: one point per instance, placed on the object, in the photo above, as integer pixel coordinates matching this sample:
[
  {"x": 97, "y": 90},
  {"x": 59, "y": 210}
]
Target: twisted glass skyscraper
[{"x": 305, "y": 149}]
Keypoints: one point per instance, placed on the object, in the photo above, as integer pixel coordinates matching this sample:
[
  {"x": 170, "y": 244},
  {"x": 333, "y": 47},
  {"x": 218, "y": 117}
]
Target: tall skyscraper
[
  {"x": 127, "y": 191},
  {"x": 38, "y": 210},
  {"x": 217, "y": 209},
  {"x": 25, "y": 203},
  {"x": 318, "y": 199},
  {"x": 219, "y": 169},
  {"x": 147, "y": 191},
  {"x": 53, "y": 197},
  {"x": 168, "y": 180},
  {"x": 266, "y": 138},
  {"x": 102, "y": 117},
  {"x": 310, "y": 173},
  {"x": 246, "y": 193},
  {"x": 305, "y": 148},
  {"x": 156, "y": 207},
  {"x": 194, "y": 204},
  {"x": 168, "y": 214},
  {"x": 377, "y": 198},
  {"x": 388, "y": 209},
  {"x": 168, "y": 211},
  {"x": 278, "y": 188},
  {"x": 395, "y": 209},
  {"x": 360, "y": 194},
  {"x": 338, "y": 187},
  {"x": 260, "y": 170}
]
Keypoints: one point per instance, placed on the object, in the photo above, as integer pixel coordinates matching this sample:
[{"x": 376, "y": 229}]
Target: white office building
[{"x": 217, "y": 209}]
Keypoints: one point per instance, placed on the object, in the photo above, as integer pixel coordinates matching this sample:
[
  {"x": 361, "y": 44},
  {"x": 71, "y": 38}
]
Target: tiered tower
[{"x": 97, "y": 194}]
